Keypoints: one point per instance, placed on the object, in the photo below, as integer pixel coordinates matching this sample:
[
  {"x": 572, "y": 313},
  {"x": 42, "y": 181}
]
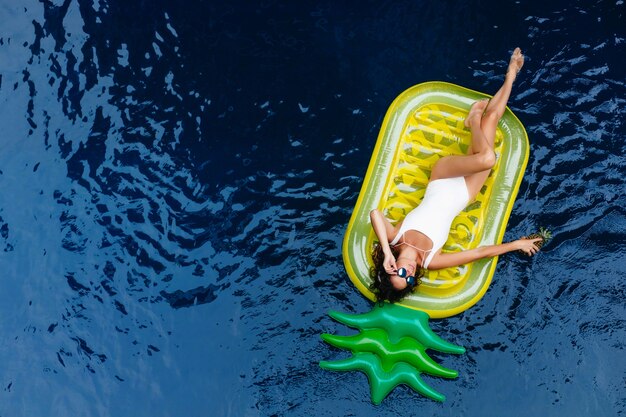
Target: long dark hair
[{"x": 381, "y": 283}]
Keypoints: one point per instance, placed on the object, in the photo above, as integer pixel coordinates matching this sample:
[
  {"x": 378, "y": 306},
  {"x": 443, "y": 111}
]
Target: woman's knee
[
  {"x": 487, "y": 159},
  {"x": 492, "y": 115}
]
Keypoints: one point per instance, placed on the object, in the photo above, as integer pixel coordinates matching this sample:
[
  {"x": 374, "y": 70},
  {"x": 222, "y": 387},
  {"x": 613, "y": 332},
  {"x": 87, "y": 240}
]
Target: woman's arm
[
  {"x": 385, "y": 233},
  {"x": 447, "y": 260},
  {"x": 383, "y": 229}
]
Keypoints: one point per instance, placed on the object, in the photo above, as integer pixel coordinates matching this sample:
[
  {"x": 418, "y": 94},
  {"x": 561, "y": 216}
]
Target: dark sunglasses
[{"x": 410, "y": 280}]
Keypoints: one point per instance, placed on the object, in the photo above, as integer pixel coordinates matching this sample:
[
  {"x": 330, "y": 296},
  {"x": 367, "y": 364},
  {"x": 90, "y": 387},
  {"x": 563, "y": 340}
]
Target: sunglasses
[{"x": 410, "y": 279}]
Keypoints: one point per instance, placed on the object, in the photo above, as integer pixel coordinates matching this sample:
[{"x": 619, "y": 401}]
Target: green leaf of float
[
  {"x": 391, "y": 349},
  {"x": 382, "y": 382},
  {"x": 405, "y": 350},
  {"x": 399, "y": 322}
]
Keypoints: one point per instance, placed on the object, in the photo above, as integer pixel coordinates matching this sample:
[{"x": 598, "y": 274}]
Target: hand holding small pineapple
[{"x": 529, "y": 245}]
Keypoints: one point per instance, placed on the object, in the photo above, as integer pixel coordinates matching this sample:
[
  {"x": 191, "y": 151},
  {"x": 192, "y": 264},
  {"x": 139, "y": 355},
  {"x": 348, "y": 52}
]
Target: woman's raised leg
[
  {"x": 482, "y": 121},
  {"x": 497, "y": 104},
  {"x": 493, "y": 113}
]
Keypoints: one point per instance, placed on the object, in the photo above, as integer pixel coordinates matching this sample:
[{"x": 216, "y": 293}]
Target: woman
[{"x": 415, "y": 243}]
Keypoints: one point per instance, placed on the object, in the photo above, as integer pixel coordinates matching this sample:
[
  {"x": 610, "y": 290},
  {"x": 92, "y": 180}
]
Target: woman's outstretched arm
[
  {"x": 385, "y": 233},
  {"x": 447, "y": 260}
]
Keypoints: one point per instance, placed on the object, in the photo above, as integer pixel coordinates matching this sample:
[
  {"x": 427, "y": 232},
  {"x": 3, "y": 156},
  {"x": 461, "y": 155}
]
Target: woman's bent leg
[{"x": 482, "y": 156}]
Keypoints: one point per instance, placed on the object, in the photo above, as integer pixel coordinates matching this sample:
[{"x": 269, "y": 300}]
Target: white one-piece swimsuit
[{"x": 444, "y": 199}]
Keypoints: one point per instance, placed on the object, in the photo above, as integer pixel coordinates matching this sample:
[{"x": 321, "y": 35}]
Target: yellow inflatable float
[{"x": 423, "y": 124}]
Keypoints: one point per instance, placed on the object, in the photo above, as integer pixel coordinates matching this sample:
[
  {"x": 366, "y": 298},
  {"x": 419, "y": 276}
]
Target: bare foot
[
  {"x": 476, "y": 112},
  {"x": 515, "y": 64}
]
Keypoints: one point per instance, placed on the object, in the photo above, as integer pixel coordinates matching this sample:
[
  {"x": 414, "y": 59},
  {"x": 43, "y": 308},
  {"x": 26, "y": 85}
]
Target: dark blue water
[{"x": 176, "y": 178}]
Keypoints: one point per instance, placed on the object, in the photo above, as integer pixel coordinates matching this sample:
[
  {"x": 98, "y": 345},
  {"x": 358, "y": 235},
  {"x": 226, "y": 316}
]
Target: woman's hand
[
  {"x": 390, "y": 263},
  {"x": 528, "y": 245}
]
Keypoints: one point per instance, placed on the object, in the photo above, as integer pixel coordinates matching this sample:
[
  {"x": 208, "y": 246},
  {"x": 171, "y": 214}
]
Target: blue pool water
[{"x": 176, "y": 178}]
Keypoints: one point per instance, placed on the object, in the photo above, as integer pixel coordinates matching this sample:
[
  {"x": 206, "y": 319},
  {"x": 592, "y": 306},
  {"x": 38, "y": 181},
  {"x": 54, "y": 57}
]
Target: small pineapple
[{"x": 544, "y": 234}]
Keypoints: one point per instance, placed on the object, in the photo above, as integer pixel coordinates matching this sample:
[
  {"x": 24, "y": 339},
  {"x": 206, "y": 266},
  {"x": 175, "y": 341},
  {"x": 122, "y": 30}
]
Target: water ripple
[{"x": 177, "y": 182}]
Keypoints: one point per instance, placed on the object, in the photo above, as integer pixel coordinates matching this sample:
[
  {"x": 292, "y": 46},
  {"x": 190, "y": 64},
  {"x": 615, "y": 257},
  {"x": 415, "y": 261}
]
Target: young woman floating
[{"x": 415, "y": 243}]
